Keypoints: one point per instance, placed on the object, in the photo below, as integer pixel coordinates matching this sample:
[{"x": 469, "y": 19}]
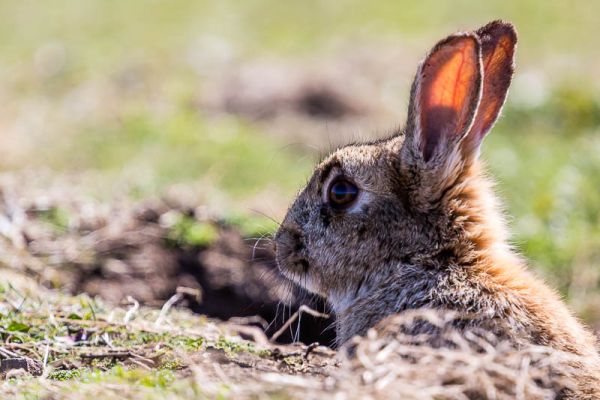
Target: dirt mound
[
  {"x": 150, "y": 252},
  {"x": 325, "y": 100}
]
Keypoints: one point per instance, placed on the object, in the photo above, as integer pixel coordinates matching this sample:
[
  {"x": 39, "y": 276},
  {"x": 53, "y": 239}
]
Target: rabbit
[{"x": 411, "y": 221}]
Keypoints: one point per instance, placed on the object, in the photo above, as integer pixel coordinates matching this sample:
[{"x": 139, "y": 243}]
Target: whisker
[
  {"x": 264, "y": 236},
  {"x": 266, "y": 216},
  {"x": 254, "y": 248},
  {"x": 297, "y": 335},
  {"x": 275, "y": 318}
]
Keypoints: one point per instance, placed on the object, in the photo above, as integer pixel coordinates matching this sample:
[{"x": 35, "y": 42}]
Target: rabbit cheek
[{"x": 325, "y": 214}]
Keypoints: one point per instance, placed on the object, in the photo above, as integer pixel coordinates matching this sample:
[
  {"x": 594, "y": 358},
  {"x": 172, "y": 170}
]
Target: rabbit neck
[
  {"x": 475, "y": 238},
  {"x": 395, "y": 289},
  {"x": 476, "y": 273},
  {"x": 503, "y": 294}
]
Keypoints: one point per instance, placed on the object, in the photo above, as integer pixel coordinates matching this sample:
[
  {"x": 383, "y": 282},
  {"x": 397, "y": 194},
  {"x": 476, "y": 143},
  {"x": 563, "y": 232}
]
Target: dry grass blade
[{"x": 166, "y": 307}]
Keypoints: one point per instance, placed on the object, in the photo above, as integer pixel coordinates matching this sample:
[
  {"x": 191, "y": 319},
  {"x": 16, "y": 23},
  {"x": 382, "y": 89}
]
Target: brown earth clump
[{"x": 147, "y": 251}]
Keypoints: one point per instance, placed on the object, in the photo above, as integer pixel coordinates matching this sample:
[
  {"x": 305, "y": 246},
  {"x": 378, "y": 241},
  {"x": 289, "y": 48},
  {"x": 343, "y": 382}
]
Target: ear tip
[
  {"x": 459, "y": 38},
  {"x": 498, "y": 28}
]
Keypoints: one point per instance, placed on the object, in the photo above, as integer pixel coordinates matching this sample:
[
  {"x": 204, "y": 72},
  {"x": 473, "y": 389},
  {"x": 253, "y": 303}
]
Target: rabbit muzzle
[{"x": 290, "y": 252}]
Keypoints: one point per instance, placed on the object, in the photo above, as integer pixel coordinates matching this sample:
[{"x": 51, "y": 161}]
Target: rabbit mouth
[
  {"x": 297, "y": 271},
  {"x": 303, "y": 265},
  {"x": 294, "y": 269}
]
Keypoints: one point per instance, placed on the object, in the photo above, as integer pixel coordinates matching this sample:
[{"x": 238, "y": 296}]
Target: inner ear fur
[
  {"x": 456, "y": 97},
  {"x": 498, "y": 44},
  {"x": 445, "y": 95},
  {"x": 458, "y": 93}
]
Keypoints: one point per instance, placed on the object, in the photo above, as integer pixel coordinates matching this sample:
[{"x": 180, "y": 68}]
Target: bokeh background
[{"x": 232, "y": 102}]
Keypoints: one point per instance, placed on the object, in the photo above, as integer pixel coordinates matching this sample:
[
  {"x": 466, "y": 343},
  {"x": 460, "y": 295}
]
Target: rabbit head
[{"x": 373, "y": 209}]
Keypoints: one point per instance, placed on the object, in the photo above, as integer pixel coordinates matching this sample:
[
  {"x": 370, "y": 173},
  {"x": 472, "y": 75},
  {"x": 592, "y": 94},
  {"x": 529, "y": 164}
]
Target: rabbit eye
[{"x": 342, "y": 193}]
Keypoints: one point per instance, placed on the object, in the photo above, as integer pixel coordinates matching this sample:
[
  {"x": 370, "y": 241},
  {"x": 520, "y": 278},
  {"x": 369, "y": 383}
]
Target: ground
[
  {"x": 75, "y": 347},
  {"x": 101, "y": 300},
  {"x": 149, "y": 150}
]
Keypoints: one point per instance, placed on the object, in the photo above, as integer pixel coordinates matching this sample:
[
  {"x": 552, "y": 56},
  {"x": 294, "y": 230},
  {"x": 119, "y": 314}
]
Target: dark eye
[{"x": 342, "y": 194}]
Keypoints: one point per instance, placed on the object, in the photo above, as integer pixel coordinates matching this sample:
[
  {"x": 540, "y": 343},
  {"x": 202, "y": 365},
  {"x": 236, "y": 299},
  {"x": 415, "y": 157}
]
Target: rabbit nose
[
  {"x": 290, "y": 228},
  {"x": 289, "y": 237}
]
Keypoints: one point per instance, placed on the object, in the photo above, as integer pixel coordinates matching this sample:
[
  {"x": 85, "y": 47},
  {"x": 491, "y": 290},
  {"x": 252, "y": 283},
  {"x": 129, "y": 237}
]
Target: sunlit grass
[
  {"x": 102, "y": 31},
  {"x": 544, "y": 156},
  {"x": 226, "y": 152}
]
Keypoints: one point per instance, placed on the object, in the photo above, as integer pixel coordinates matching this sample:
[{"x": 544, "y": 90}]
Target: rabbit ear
[
  {"x": 444, "y": 99},
  {"x": 498, "y": 42}
]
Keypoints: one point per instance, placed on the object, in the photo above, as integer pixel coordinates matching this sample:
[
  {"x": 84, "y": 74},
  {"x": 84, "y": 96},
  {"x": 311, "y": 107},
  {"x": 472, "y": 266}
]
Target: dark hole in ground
[
  {"x": 323, "y": 103},
  {"x": 134, "y": 253},
  {"x": 233, "y": 299},
  {"x": 260, "y": 96}
]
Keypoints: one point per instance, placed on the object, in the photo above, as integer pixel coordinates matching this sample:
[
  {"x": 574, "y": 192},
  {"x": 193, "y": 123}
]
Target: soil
[{"x": 128, "y": 252}]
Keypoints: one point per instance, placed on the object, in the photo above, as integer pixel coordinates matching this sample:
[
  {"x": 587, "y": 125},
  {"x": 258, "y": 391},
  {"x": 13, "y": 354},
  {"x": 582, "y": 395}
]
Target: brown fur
[{"x": 425, "y": 231}]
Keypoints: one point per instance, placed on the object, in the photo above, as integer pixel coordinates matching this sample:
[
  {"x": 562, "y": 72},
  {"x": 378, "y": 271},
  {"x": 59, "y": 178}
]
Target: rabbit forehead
[{"x": 366, "y": 160}]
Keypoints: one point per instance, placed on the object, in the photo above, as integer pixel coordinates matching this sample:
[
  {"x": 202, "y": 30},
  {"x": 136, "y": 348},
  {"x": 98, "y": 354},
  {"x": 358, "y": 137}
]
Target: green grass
[
  {"x": 545, "y": 160},
  {"x": 32, "y": 325},
  {"x": 99, "y": 33},
  {"x": 226, "y": 153}
]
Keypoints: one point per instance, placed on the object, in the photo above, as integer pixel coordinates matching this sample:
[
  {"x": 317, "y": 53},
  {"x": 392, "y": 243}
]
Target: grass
[
  {"x": 72, "y": 333},
  {"x": 545, "y": 160},
  {"x": 188, "y": 231},
  {"x": 101, "y": 33},
  {"x": 114, "y": 351},
  {"x": 82, "y": 347},
  {"x": 227, "y": 152}
]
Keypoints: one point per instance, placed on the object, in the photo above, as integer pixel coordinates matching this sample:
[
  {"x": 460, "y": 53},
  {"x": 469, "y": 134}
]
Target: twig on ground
[
  {"x": 141, "y": 364},
  {"x": 309, "y": 349},
  {"x": 7, "y": 353},
  {"x": 45, "y": 363},
  {"x": 195, "y": 293},
  {"x": 142, "y": 359},
  {"x": 255, "y": 319},
  {"x": 255, "y": 333},
  {"x": 119, "y": 354},
  {"x": 302, "y": 309}
]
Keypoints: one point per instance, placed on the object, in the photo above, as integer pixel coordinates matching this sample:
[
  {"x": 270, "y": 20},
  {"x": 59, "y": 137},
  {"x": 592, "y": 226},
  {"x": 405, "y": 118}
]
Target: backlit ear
[
  {"x": 498, "y": 42},
  {"x": 444, "y": 99}
]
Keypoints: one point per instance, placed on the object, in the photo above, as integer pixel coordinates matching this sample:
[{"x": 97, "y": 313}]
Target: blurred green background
[{"x": 237, "y": 99}]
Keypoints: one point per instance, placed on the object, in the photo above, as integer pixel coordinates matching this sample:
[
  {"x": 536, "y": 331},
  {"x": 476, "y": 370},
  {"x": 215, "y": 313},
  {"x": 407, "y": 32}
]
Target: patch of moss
[
  {"x": 231, "y": 347},
  {"x": 252, "y": 226},
  {"x": 187, "y": 342},
  {"x": 173, "y": 365},
  {"x": 188, "y": 231},
  {"x": 293, "y": 361},
  {"x": 264, "y": 353},
  {"x": 64, "y": 375},
  {"x": 159, "y": 378},
  {"x": 124, "y": 338}
]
